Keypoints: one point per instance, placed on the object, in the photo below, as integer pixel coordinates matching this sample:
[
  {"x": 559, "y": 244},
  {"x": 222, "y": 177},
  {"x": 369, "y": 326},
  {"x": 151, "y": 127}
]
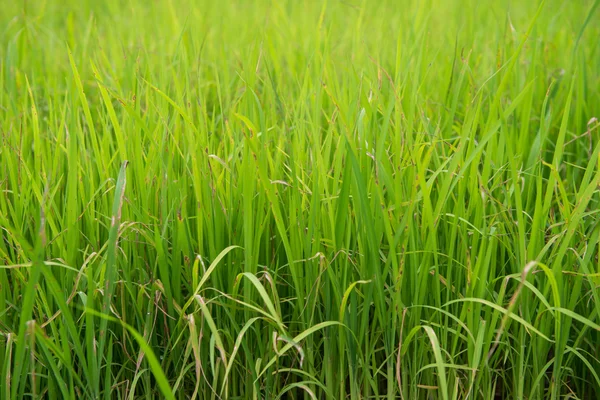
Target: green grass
[{"x": 299, "y": 199}]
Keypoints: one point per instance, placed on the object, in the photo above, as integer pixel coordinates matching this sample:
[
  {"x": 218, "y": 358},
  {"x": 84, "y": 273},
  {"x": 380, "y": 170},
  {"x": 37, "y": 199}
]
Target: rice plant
[{"x": 307, "y": 199}]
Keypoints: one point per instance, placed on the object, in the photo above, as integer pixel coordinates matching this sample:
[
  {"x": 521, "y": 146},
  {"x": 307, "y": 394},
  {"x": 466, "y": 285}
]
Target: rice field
[{"x": 305, "y": 199}]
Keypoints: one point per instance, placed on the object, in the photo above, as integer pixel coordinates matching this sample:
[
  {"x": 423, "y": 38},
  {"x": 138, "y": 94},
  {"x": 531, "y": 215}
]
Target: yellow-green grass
[{"x": 299, "y": 199}]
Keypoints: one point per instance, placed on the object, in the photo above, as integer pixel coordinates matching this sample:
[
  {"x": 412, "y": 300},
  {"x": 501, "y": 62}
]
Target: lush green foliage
[{"x": 296, "y": 199}]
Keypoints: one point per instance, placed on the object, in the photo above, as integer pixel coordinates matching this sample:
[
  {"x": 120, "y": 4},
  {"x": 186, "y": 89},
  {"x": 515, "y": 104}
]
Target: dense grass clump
[{"x": 299, "y": 199}]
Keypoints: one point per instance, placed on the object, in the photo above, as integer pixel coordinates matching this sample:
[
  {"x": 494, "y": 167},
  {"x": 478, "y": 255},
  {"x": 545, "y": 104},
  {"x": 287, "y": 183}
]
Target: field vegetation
[{"x": 299, "y": 199}]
